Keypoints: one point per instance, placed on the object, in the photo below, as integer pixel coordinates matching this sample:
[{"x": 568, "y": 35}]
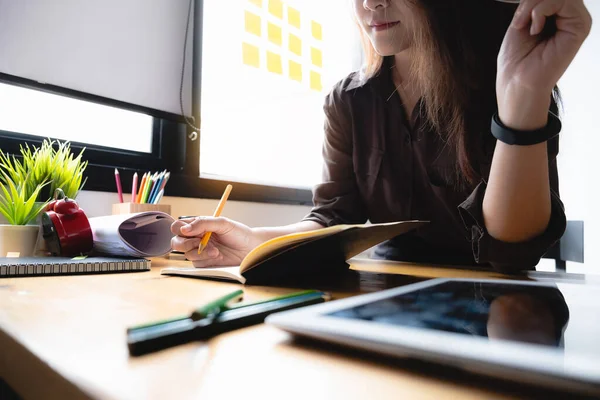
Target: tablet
[{"x": 531, "y": 332}]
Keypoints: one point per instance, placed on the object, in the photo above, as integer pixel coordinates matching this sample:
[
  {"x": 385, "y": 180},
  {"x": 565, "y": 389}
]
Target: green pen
[
  {"x": 205, "y": 310},
  {"x": 283, "y": 297},
  {"x": 160, "y": 337},
  {"x": 214, "y": 307}
]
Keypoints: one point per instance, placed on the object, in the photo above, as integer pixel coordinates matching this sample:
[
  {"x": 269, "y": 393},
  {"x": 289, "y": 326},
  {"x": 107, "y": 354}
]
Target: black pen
[{"x": 152, "y": 338}]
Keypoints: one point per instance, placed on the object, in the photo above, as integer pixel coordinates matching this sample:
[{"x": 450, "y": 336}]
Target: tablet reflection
[
  {"x": 524, "y": 318},
  {"x": 523, "y": 313}
]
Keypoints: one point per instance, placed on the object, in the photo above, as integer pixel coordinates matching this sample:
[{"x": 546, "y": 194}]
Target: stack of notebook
[{"x": 35, "y": 266}]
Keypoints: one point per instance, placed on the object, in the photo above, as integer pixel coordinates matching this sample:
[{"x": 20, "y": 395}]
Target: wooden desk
[{"x": 64, "y": 338}]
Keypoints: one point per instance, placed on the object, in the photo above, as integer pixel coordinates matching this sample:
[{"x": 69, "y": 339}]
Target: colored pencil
[
  {"x": 138, "y": 198},
  {"x": 164, "y": 182},
  {"x": 119, "y": 189},
  {"x": 151, "y": 181},
  {"x": 156, "y": 187},
  {"x": 159, "y": 197},
  {"x": 134, "y": 187}
]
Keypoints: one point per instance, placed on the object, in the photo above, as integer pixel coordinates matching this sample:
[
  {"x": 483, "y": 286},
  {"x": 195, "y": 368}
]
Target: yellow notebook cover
[{"x": 300, "y": 255}]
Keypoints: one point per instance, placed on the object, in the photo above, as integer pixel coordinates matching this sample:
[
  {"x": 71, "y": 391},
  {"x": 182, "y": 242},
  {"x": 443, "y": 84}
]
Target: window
[
  {"x": 106, "y": 77},
  {"x": 265, "y": 71},
  {"x": 32, "y": 112},
  {"x": 114, "y": 135}
]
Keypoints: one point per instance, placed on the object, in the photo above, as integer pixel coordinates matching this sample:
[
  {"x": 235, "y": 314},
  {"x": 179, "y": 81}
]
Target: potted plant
[
  {"x": 26, "y": 187},
  {"x": 17, "y": 238},
  {"x": 47, "y": 164}
]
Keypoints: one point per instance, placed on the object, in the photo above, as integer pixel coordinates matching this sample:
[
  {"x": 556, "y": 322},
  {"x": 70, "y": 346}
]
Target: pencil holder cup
[{"x": 130, "y": 208}]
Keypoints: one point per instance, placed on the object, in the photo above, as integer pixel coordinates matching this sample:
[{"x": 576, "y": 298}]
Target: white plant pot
[{"x": 18, "y": 240}]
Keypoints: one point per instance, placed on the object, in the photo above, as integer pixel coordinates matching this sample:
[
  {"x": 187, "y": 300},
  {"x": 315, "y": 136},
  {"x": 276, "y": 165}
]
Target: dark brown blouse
[{"x": 379, "y": 168}]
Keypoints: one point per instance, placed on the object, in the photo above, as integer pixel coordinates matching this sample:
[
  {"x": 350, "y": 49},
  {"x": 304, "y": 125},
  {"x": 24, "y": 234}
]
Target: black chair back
[{"x": 569, "y": 247}]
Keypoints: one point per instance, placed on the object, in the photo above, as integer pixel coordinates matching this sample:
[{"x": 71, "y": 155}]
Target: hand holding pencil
[
  {"x": 231, "y": 240},
  {"x": 217, "y": 213}
]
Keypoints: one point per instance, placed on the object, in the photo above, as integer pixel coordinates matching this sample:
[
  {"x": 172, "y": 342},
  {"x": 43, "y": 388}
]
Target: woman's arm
[
  {"x": 517, "y": 206},
  {"x": 263, "y": 234}
]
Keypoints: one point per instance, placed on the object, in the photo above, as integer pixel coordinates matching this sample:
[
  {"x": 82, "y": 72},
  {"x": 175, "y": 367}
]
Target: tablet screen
[{"x": 523, "y": 313}]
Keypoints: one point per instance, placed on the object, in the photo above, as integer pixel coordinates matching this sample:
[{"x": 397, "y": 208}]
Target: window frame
[{"x": 175, "y": 146}]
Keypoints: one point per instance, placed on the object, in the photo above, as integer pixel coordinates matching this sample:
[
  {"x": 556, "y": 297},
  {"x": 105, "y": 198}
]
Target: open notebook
[{"x": 298, "y": 255}]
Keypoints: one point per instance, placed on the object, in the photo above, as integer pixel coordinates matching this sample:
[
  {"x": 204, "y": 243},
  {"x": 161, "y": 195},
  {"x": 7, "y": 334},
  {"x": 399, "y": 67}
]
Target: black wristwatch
[{"x": 526, "y": 138}]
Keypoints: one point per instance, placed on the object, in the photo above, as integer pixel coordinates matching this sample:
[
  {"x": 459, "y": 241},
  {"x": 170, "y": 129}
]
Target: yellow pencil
[
  {"x": 142, "y": 187},
  {"x": 217, "y": 213}
]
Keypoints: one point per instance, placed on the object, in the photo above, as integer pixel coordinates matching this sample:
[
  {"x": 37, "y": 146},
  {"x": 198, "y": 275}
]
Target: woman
[{"x": 408, "y": 137}]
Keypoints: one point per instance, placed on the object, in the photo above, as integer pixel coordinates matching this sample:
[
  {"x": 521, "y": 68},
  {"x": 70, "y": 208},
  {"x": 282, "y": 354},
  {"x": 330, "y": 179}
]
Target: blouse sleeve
[
  {"x": 513, "y": 257},
  {"x": 337, "y": 199}
]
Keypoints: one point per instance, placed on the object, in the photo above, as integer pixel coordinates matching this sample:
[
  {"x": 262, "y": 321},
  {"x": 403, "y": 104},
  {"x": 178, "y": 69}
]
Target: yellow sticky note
[
  {"x": 276, "y": 8},
  {"x": 317, "y": 30},
  {"x": 294, "y": 17},
  {"x": 274, "y": 63},
  {"x": 315, "y": 81},
  {"x": 250, "y": 55},
  {"x": 256, "y": 2},
  {"x": 253, "y": 24},
  {"x": 316, "y": 56},
  {"x": 295, "y": 44},
  {"x": 295, "y": 71},
  {"x": 274, "y": 32}
]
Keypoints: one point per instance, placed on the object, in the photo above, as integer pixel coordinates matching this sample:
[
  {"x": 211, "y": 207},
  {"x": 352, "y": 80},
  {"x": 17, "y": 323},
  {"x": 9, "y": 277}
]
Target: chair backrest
[{"x": 569, "y": 247}]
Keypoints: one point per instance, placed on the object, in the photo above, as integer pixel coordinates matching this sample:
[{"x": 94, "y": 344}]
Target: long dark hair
[{"x": 454, "y": 60}]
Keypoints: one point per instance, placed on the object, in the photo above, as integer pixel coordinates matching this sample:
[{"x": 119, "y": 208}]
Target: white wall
[
  {"x": 130, "y": 51},
  {"x": 579, "y": 158}
]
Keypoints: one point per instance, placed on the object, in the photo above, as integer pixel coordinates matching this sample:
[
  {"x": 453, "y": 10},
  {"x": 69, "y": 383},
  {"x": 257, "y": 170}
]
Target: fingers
[
  {"x": 183, "y": 244},
  {"x": 188, "y": 234},
  {"x": 176, "y": 227},
  {"x": 536, "y": 12},
  {"x": 201, "y": 225},
  {"x": 189, "y": 246},
  {"x": 210, "y": 257},
  {"x": 523, "y": 15},
  {"x": 191, "y": 227},
  {"x": 540, "y": 13}
]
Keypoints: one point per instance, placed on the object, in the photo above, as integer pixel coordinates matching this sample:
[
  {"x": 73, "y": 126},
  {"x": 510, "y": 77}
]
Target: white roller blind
[{"x": 126, "y": 50}]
